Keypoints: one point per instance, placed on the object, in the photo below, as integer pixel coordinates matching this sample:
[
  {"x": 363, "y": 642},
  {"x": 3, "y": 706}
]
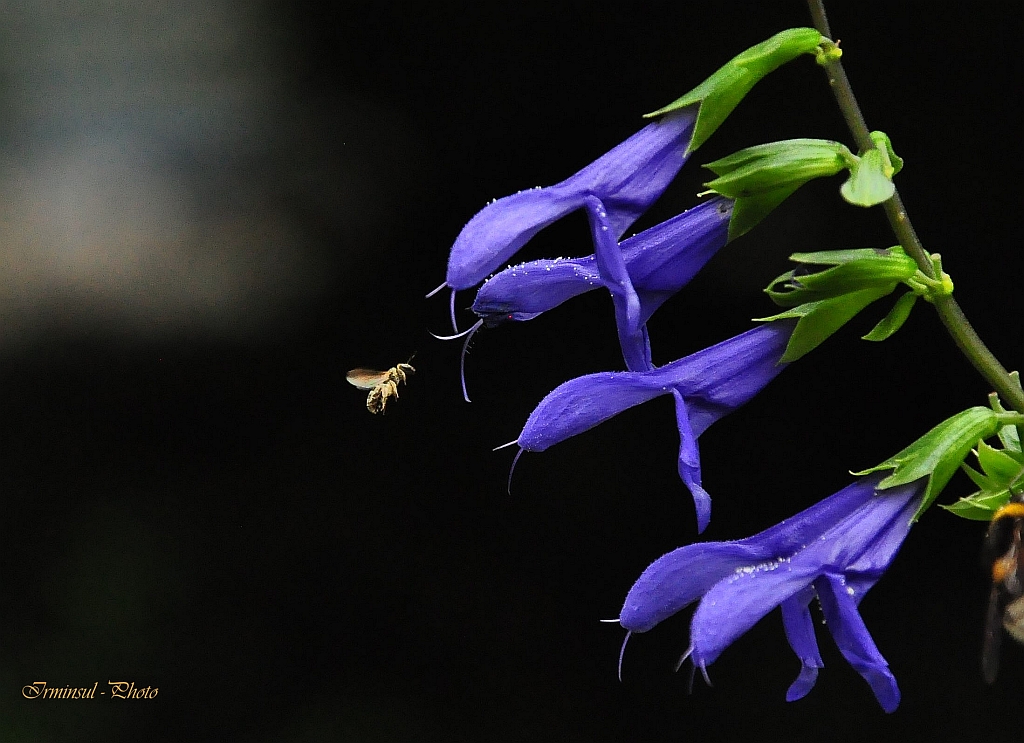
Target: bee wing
[
  {"x": 366, "y": 379},
  {"x": 993, "y": 637}
]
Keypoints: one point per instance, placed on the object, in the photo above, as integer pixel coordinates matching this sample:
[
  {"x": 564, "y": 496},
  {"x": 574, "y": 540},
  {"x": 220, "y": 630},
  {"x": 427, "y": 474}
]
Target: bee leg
[{"x": 375, "y": 401}]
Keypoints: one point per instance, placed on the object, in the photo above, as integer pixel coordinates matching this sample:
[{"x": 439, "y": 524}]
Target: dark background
[{"x": 196, "y": 500}]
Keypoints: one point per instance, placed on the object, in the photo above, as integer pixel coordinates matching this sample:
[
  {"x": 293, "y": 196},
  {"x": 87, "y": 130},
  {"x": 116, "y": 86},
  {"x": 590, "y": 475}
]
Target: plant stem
[{"x": 952, "y": 317}]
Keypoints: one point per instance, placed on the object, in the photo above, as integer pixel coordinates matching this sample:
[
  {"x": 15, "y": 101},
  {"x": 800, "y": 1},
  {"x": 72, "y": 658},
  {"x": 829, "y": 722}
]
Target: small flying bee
[
  {"x": 383, "y": 385},
  {"x": 1004, "y": 551}
]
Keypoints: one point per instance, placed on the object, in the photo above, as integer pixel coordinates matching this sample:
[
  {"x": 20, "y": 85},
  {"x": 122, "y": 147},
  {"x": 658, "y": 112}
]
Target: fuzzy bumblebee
[{"x": 1005, "y": 554}]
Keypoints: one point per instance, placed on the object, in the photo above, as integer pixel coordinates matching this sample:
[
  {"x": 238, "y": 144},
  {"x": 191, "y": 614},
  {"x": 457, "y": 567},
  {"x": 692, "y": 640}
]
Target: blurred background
[{"x": 212, "y": 210}]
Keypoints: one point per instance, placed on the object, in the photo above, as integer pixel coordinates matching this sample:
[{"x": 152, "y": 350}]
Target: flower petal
[
  {"x": 799, "y": 627},
  {"x": 659, "y": 261},
  {"x": 582, "y": 403},
  {"x": 684, "y": 575},
  {"x": 796, "y": 533},
  {"x": 864, "y": 543},
  {"x": 668, "y": 255},
  {"x": 627, "y": 179},
  {"x": 632, "y": 176},
  {"x": 677, "y": 579},
  {"x": 893, "y": 513},
  {"x": 714, "y": 382},
  {"x": 612, "y": 267},
  {"x": 854, "y": 641},
  {"x": 501, "y": 228},
  {"x": 719, "y": 379},
  {"x": 689, "y": 463},
  {"x": 735, "y": 604},
  {"x": 522, "y": 292}
]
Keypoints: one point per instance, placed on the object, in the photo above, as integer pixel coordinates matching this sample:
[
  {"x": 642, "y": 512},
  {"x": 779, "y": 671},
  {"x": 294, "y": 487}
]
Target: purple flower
[
  {"x": 626, "y": 181},
  {"x": 706, "y": 386},
  {"x": 641, "y": 273},
  {"x": 835, "y": 550}
]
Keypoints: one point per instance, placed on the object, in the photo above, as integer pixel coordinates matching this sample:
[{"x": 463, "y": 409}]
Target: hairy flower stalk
[
  {"x": 835, "y": 550},
  {"x": 706, "y": 386},
  {"x": 625, "y": 181}
]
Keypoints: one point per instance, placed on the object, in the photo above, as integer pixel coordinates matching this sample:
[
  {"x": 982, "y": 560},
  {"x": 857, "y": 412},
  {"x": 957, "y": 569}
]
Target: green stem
[{"x": 952, "y": 317}]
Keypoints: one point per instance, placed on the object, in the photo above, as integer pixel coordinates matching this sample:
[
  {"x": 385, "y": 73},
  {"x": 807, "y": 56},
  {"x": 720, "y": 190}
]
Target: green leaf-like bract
[
  {"x": 1000, "y": 465},
  {"x": 818, "y": 320},
  {"x": 882, "y": 142},
  {"x": 938, "y": 453},
  {"x": 980, "y": 506},
  {"x": 1008, "y": 435},
  {"x": 853, "y": 270},
  {"x": 760, "y": 178},
  {"x": 870, "y": 181},
  {"x": 826, "y": 300},
  {"x": 894, "y": 320},
  {"x": 722, "y": 92},
  {"x": 867, "y": 184},
  {"x": 1003, "y": 474},
  {"x": 768, "y": 166},
  {"x": 750, "y": 210}
]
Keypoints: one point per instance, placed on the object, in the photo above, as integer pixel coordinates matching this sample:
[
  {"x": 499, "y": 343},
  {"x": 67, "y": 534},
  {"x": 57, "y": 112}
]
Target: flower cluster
[
  {"x": 640, "y": 274},
  {"x": 836, "y": 550}
]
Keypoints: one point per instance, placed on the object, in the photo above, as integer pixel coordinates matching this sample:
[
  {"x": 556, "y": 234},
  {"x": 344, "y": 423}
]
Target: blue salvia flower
[
  {"x": 642, "y": 272},
  {"x": 705, "y": 386},
  {"x": 835, "y": 550},
  {"x": 625, "y": 181}
]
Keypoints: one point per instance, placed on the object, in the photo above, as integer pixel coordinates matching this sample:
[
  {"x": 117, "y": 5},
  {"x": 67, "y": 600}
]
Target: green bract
[
  {"x": 1002, "y": 473},
  {"x": 827, "y": 300},
  {"x": 939, "y": 453},
  {"x": 762, "y": 177},
  {"x": 720, "y": 93},
  {"x": 870, "y": 181},
  {"x": 894, "y": 320},
  {"x": 852, "y": 270}
]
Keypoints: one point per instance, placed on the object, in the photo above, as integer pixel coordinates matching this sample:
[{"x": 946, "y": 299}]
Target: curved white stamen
[
  {"x": 451, "y": 311},
  {"x": 505, "y": 446},
  {"x": 468, "y": 333},
  {"x": 457, "y": 335},
  {"x": 435, "y": 291},
  {"x": 622, "y": 652},
  {"x": 682, "y": 659},
  {"x": 508, "y": 488},
  {"x": 462, "y": 359}
]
